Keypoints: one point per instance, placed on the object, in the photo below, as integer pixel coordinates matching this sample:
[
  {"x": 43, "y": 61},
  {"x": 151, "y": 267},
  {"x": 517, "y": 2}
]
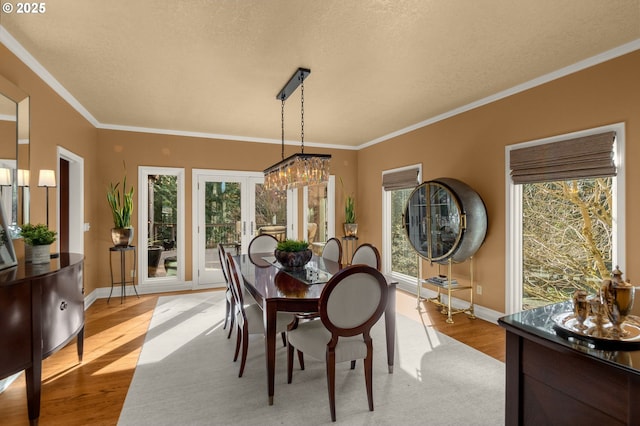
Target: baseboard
[
  {"x": 104, "y": 292},
  {"x": 481, "y": 312}
]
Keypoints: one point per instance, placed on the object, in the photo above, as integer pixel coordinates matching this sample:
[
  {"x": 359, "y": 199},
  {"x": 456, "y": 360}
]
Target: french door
[{"x": 231, "y": 208}]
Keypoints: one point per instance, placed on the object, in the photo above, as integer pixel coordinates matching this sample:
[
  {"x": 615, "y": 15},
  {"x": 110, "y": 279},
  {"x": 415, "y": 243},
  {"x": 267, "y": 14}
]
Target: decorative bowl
[{"x": 293, "y": 260}]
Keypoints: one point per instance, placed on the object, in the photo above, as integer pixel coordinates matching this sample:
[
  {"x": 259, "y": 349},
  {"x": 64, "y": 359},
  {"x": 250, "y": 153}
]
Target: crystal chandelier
[{"x": 299, "y": 169}]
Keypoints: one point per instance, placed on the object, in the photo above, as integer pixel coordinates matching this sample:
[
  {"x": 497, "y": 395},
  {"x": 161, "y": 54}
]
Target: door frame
[{"x": 77, "y": 227}]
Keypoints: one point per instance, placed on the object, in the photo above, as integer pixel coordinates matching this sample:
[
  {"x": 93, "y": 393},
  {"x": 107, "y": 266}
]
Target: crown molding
[{"x": 562, "y": 72}]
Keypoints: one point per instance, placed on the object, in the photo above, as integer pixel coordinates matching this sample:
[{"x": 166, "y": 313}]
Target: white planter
[{"x": 40, "y": 254}]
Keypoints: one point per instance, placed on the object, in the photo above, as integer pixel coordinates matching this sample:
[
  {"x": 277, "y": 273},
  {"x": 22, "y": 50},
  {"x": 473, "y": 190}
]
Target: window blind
[
  {"x": 584, "y": 157},
  {"x": 402, "y": 179}
]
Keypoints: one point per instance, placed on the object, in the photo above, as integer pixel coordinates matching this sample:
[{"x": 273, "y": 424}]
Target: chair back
[
  {"x": 353, "y": 301},
  {"x": 366, "y": 254},
  {"x": 222, "y": 255},
  {"x": 236, "y": 282},
  {"x": 332, "y": 250},
  {"x": 263, "y": 243}
]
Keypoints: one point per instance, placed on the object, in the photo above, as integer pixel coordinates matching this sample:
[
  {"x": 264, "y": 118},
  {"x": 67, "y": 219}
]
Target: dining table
[{"x": 278, "y": 290}]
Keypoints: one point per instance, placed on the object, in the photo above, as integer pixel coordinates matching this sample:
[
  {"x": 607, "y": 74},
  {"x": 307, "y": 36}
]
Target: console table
[
  {"x": 41, "y": 311},
  {"x": 555, "y": 380}
]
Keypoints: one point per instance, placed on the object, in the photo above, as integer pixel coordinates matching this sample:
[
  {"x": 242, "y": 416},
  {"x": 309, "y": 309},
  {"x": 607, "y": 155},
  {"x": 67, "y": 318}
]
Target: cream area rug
[{"x": 186, "y": 376}]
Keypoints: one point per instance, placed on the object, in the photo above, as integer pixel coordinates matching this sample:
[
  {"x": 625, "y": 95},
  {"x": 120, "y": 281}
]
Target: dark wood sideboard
[
  {"x": 41, "y": 310},
  {"x": 556, "y": 380}
]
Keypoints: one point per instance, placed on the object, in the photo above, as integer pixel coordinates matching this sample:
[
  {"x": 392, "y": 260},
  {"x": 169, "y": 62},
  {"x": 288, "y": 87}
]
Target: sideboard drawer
[{"x": 63, "y": 308}]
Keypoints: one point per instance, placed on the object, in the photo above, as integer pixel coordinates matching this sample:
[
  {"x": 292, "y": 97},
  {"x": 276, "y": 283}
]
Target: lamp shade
[
  {"x": 23, "y": 177},
  {"x": 47, "y": 178},
  {"x": 5, "y": 177}
]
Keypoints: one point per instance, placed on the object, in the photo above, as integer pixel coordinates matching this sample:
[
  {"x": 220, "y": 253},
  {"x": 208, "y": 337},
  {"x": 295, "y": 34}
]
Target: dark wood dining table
[{"x": 276, "y": 290}]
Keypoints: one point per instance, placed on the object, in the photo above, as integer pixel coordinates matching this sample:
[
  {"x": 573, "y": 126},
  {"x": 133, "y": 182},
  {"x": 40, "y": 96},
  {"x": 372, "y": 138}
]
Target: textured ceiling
[{"x": 377, "y": 67}]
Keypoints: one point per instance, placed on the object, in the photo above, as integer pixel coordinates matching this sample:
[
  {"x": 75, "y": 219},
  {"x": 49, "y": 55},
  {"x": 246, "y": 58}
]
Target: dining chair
[
  {"x": 228, "y": 317},
  {"x": 263, "y": 243},
  {"x": 366, "y": 254},
  {"x": 332, "y": 250},
  {"x": 350, "y": 304},
  {"x": 249, "y": 317}
]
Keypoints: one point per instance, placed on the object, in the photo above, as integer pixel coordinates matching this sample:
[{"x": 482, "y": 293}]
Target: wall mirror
[{"x": 14, "y": 155}]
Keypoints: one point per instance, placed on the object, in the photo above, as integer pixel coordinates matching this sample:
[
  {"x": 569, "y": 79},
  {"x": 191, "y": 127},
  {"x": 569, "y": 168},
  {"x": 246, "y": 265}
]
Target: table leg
[
  {"x": 390, "y": 325},
  {"x": 270, "y": 313}
]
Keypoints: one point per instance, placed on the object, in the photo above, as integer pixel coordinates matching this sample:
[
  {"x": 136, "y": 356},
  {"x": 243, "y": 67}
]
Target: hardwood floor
[{"x": 93, "y": 392}]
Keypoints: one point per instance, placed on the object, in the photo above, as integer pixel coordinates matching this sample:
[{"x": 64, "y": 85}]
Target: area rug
[{"x": 185, "y": 375}]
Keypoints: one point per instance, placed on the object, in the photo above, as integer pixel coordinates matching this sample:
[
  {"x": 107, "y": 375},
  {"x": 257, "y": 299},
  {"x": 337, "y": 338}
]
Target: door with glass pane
[{"x": 232, "y": 207}]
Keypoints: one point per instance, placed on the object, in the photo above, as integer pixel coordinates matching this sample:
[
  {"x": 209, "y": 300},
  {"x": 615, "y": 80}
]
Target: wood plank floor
[{"x": 93, "y": 392}]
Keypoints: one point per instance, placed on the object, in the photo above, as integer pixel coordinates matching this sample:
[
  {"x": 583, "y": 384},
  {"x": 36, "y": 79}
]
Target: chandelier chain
[
  {"x": 302, "y": 115},
  {"x": 282, "y": 125}
]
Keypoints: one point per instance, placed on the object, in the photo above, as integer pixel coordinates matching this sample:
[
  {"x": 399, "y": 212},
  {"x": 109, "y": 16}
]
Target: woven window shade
[
  {"x": 585, "y": 157},
  {"x": 401, "y": 179}
]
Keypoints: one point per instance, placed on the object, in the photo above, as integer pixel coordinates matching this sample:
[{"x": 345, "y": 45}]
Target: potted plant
[
  {"x": 120, "y": 200},
  {"x": 350, "y": 225},
  {"x": 293, "y": 254},
  {"x": 37, "y": 239}
]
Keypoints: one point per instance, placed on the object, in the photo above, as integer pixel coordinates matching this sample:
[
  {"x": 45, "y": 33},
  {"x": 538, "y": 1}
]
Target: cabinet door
[
  {"x": 62, "y": 307},
  {"x": 432, "y": 221},
  {"x": 15, "y": 332}
]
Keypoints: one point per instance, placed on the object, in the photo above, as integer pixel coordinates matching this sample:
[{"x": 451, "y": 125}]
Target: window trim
[{"x": 513, "y": 214}]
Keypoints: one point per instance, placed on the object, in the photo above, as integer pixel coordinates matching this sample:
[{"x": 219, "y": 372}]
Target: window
[
  {"x": 320, "y": 213},
  {"x": 161, "y": 223},
  {"x": 564, "y": 231},
  {"x": 398, "y": 258}
]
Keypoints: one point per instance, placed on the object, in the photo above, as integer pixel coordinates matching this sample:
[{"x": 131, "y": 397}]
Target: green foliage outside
[
  {"x": 567, "y": 235},
  {"x": 403, "y": 257}
]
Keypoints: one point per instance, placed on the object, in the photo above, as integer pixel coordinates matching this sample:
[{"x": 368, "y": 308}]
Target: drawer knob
[{"x": 63, "y": 305}]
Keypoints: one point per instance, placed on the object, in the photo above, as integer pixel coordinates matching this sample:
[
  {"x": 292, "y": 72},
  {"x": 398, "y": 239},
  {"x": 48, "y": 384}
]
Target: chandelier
[{"x": 299, "y": 169}]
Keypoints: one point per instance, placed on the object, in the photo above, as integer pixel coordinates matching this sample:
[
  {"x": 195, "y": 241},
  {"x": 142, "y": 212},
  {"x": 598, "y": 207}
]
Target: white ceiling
[{"x": 377, "y": 66}]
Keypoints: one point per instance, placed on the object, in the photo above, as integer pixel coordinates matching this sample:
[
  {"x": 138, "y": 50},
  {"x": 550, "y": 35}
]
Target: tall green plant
[
  {"x": 349, "y": 207},
  {"x": 121, "y": 203}
]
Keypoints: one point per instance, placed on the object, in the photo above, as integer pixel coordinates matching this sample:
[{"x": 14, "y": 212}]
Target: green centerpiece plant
[{"x": 293, "y": 254}]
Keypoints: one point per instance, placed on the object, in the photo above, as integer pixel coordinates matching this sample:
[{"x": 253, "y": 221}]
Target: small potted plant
[
  {"x": 293, "y": 254},
  {"x": 350, "y": 225},
  {"x": 37, "y": 239},
  {"x": 121, "y": 203}
]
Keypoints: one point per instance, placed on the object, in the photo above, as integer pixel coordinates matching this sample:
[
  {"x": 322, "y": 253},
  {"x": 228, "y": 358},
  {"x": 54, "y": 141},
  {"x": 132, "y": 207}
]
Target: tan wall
[
  {"x": 55, "y": 123},
  {"x": 471, "y": 147},
  {"x": 143, "y": 149}
]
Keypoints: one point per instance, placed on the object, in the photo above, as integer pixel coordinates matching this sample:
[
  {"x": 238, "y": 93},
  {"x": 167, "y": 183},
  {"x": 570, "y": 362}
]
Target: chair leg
[
  {"x": 331, "y": 383},
  {"x": 245, "y": 347},
  {"x": 238, "y": 338},
  {"x": 290, "y": 363},
  {"x": 301, "y": 360},
  {"x": 284, "y": 338},
  {"x": 368, "y": 373}
]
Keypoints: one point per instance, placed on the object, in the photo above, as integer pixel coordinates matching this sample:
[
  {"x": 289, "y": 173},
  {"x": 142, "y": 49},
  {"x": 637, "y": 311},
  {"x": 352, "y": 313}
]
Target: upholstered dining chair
[
  {"x": 228, "y": 317},
  {"x": 332, "y": 250},
  {"x": 248, "y": 317},
  {"x": 366, "y": 254},
  {"x": 350, "y": 304},
  {"x": 263, "y": 243}
]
